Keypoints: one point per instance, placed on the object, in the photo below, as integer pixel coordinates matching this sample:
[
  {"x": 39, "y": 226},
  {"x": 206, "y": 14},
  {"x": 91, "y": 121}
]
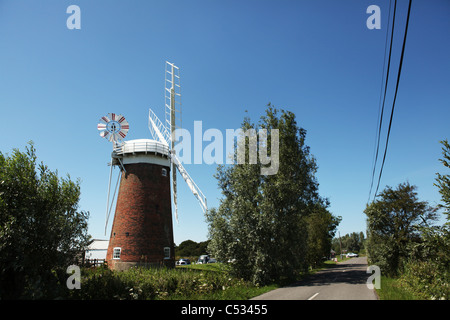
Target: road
[{"x": 345, "y": 281}]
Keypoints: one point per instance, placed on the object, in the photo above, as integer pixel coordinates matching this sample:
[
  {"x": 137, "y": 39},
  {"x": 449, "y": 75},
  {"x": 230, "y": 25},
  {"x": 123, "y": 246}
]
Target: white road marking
[{"x": 313, "y": 296}]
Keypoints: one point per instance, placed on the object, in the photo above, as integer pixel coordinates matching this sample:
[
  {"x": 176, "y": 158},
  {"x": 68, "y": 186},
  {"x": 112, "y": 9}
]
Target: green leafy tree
[
  {"x": 351, "y": 242},
  {"x": 42, "y": 231},
  {"x": 443, "y": 180},
  {"x": 261, "y": 223},
  {"x": 354, "y": 243},
  {"x": 392, "y": 225},
  {"x": 189, "y": 248},
  {"x": 428, "y": 271},
  {"x": 321, "y": 225}
]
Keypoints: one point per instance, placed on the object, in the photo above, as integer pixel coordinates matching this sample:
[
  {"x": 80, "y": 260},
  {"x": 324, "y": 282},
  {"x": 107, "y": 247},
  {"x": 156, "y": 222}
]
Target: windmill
[{"x": 142, "y": 232}]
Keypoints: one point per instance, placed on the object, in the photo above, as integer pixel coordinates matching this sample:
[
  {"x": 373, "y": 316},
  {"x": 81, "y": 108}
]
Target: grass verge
[
  {"x": 194, "y": 282},
  {"x": 392, "y": 289},
  {"x": 241, "y": 290}
]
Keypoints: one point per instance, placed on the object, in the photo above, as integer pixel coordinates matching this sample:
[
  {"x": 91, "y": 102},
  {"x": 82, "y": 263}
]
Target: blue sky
[{"x": 314, "y": 58}]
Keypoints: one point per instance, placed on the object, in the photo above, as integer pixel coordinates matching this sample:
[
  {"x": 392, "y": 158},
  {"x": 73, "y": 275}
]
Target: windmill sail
[
  {"x": 190, "y": 182},
  {"x": 172, "y": 88},
  {"x": 159, "y": 132},
  {"x": 157, "y": 129}
]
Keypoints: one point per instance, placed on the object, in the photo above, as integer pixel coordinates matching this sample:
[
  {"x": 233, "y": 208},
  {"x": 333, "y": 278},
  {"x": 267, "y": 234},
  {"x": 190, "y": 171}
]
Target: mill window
[
  {"x": 166, "y": 253},
  {"x": 116, "y": 253}
]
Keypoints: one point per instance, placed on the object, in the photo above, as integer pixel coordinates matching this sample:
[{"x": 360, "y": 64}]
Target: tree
[
  {"x": 443, "y": 180},
  {"x": 350, "y": 242},
  {"x": 41, "y": 230},
  {"x": 428, "y": 271},
  {"x": 261, "y": 222},
  {"x": 189, "y": 248},
  {"x": 392, "y": 225},
  {"x": 321, "y": 225},
  {"x": 354, "y": 243}
]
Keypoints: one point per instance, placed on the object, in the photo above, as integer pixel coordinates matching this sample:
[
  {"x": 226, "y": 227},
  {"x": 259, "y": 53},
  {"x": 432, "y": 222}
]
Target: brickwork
[{"x": 142, "y": 225}]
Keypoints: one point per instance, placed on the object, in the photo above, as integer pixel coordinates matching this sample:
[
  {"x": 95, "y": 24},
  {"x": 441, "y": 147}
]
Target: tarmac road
[{"x": 345, "y": 281}]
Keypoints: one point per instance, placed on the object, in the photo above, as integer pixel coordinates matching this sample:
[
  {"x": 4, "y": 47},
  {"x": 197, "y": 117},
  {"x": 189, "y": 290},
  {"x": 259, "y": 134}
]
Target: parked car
[
  {"x": 203, "y": 259},
  {"x": 351, "y": 255},
  {"x": 212, "y": 260},
  {"x": 182, "y": 262}
]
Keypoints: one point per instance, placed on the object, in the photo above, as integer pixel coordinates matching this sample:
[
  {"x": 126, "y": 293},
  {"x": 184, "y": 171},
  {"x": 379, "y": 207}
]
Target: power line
[
  {"x": 380, "y": 117},
  {"x": 395, "y": 96}
]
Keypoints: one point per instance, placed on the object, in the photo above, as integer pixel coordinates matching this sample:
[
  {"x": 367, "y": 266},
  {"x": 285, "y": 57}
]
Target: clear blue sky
[{"x": 315, "y": 58}]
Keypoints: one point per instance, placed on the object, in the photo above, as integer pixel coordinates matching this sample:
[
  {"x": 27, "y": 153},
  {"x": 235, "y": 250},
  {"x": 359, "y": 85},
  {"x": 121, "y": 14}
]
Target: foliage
[
  {"x": 443, "y": 180},
  {"x": 424, "y": 281},
  {"x": 427, "y": 272},
  {"x": 191, "y": 248},
  {"x": 41, "y": 229},
  {"x": 397, "y": 234},
  {"x": 434, "y": 247},
  {"x": 159, "y": 284},
  {"x": 321, "y": 225},
  {"x": 392, "y": 224},
  {"x": 261, "y": 223},
  {"x": 352, "y": 242}
]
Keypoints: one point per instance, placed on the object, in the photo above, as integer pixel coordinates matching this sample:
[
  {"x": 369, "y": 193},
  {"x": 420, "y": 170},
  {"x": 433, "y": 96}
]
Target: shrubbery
[
  {"x": 403, "y": 242},
  {"x": 153, "y": 284},
  {"x": 42, "y": 229},
  {"x": 425, "y": 281}
]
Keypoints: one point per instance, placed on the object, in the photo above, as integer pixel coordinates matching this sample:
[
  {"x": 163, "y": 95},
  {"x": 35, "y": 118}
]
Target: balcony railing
[{"x": 141, "y": 147}]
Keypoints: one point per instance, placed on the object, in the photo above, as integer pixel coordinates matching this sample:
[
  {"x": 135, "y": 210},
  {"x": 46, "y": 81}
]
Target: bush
[
  {"x": 42, "y": 230},
  {"x": 151, "y": 284},
  {"x": 425, "y": 281}
]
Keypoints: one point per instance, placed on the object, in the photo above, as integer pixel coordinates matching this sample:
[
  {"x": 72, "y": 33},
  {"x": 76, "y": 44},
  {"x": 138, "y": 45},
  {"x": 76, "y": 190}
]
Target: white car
[
  {"x": 351, "y": 255},
  {"x": 182, "y": 262},
  {"x": 203, "y": 259}
]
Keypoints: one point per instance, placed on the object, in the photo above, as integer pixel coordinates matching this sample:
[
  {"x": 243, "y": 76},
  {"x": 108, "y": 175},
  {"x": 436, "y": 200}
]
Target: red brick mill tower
[{"x": 142, "y": 232}]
